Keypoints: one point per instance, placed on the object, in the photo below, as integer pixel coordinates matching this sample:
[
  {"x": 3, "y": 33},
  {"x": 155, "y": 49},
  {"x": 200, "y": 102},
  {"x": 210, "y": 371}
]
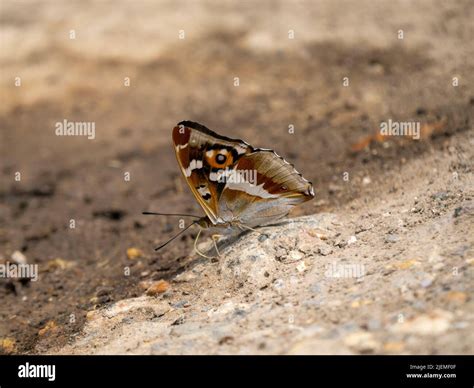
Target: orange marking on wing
[{"x": 211, "y": 160}]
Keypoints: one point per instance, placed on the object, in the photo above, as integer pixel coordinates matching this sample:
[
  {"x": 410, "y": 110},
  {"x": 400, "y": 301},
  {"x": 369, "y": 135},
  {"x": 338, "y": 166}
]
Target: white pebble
[
  {"x": 19, "y": 257},
  {"x": 352, "y": 240}
]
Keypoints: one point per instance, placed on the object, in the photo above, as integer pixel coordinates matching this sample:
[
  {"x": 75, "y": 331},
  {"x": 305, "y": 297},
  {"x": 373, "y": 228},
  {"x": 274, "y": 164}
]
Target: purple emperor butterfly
[{"x": 238, "y": 186}]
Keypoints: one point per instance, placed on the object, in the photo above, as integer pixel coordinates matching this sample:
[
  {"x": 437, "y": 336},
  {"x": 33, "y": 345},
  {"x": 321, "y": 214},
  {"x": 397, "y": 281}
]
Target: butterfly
[{"x": 238, "y": 186}]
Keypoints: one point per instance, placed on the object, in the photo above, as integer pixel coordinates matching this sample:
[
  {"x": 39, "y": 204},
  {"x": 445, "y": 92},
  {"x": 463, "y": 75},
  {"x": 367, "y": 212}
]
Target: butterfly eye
[{"x": 220, "y": 158}]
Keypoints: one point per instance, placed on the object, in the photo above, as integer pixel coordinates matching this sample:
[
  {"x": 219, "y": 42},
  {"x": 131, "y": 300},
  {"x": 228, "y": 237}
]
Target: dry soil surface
[{"x": 394, "y": 211}]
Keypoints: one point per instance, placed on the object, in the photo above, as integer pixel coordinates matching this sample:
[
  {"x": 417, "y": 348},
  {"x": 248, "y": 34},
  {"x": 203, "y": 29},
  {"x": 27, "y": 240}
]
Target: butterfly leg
[
  {"x": 246, "y": 227},
  {"x": 216, "y": 237},
  {"x": 197, "y": 250}
]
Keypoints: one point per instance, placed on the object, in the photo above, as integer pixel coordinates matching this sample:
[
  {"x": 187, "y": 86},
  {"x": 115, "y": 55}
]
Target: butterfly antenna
[
  {"x": 170, "y": 214},
  {"x": 172, "y": 238}
]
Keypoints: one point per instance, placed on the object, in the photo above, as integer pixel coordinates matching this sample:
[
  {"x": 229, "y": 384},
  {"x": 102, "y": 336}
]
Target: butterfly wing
[
  {"x": 197, "y": 151},
  {"x": 234, "y": 182},
  {"x": 266, "y": 189}
]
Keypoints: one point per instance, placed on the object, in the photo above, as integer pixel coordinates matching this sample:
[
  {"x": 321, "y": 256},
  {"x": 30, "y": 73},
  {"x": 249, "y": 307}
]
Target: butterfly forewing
[{"x": 197, "y": 149}]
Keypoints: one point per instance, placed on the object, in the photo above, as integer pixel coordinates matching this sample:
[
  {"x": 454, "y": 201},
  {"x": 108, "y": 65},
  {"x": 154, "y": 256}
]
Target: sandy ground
[
  {"x": 384, "y": 276},
  {"x": 406, "y": 202}
]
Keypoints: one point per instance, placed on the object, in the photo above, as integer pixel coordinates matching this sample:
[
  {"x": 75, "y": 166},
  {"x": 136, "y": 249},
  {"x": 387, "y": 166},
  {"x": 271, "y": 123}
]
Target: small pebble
[
  {"x": 395, "y": 347},
  {"x": 426, "y": 282},
  {"x": 280, "y": 254},
  {"x": 181, "y": 304},
  {"x": 364, "y": 227},
  {"x": 433, "y": 323},
  {"x": 134, "y": 253},
  {"x": 185, "y": 277},
  {"x": 325, "y": 250},
  {"x": 158, "y": 287},
  {"x": 179, "y": 321},
  {"x": 145, "y": 284},
  {"x": 19, "y": 257},
  {"x": 59, "y": 263},
  {"x": 456, "y": 296},
  {"x": 340, "y": 243},
  {"x": 301, "y": 267},
  {"x": 352, "y": 240},
  {"x": 7, "y": 345},
  {"x": 406, "y": 264},
  {"x": 362, "y": 342},
  {"x": 438, "y": 266},
  {"x": 321, "y": 236},
  {"x": 295, "y": 255},
  {"x": 278, "y": 283},
  {"x": 50, "y": 326},
  {"x": 391, "y": 238}
]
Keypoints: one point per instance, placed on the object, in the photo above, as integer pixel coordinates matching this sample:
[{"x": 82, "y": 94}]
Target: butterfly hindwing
[{"x": 269, "y": 187}]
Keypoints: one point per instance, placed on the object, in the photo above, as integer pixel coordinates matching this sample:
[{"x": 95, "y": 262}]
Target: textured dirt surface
[
  {"x": 390, "y": 276},
  {"x": 413, "y": 196}
]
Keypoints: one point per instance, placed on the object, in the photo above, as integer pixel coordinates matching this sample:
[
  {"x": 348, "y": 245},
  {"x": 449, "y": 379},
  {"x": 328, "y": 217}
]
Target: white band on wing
[{"x": 195, "y": 164}]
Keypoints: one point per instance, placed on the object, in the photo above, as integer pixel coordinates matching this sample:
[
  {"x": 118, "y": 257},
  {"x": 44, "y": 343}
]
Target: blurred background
[{"x": 136, "y": 68}]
